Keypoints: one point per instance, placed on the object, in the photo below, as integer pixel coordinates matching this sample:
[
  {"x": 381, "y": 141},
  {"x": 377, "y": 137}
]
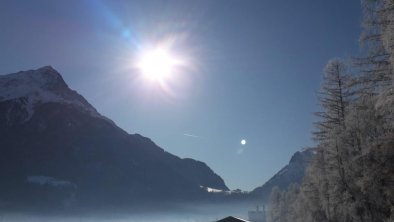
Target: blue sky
[{"x": 253, "y": 70}]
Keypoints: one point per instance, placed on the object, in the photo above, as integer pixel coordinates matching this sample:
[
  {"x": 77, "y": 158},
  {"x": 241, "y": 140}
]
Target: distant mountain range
[{"x": 56, "y": 149}]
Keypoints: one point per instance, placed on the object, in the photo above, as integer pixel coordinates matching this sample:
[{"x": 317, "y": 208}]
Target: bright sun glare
[{"x": 157, "y": 64}]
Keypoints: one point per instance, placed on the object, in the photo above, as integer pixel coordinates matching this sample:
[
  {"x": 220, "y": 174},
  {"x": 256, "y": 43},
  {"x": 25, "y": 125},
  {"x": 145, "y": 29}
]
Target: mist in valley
[{"x": 177, "y": 213}]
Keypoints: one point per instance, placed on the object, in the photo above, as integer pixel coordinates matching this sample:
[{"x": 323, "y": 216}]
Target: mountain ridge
[
  {"x": 41, "y": 86},
  {"x": 293, "y": 172},
  {"x": 51, "y": 135}
]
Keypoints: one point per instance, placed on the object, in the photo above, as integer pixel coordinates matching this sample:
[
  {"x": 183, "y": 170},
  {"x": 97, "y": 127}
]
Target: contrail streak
[{"x": 191, "y": 135}]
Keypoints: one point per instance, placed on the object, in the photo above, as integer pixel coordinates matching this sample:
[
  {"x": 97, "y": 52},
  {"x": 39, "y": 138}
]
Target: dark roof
[{"x": 231, "y": 219}]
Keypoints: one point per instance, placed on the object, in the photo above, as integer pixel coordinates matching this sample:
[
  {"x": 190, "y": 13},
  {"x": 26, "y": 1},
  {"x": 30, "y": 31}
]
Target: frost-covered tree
[
  {"x": 282, "y": 207},
  {"x": 376, "y": 67},
  {"x": 387, "y": 17},
  {"x": 334, "y": 97},
  {"x": 275, "y": 207},
  {"x": 351, "y": 178}
]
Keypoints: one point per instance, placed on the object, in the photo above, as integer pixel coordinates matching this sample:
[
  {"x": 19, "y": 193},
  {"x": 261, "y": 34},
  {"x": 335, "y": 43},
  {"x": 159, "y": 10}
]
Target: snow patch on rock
[
  {"x": 44, "y": 180},
  {"x": 212, "y": 190}
]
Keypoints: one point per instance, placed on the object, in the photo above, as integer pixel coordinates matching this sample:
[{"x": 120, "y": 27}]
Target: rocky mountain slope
[
  {"x": 55, "y": 148},
  {"x": 291, "y": 173}
]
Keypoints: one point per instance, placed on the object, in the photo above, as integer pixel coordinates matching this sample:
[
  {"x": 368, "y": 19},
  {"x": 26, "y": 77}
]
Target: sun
[{"x": 157, "y": 64}]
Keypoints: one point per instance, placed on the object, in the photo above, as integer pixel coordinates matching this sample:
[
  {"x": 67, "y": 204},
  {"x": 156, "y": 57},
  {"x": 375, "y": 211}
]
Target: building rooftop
[{"x": 232, "y": 219}]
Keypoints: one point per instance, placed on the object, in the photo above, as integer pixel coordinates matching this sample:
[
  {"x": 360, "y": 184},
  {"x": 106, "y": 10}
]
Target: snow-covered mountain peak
[
  {"x": 25, "y": 83},
  {"x": 41, "y": 86}
]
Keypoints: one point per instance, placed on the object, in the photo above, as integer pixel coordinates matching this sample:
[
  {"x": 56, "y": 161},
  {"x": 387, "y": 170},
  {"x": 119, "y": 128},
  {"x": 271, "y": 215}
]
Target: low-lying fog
[{"x": 190, "y": 213}]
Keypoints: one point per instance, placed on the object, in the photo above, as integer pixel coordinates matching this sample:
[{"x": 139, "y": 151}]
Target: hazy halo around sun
[{"x": 157, "y": 63}]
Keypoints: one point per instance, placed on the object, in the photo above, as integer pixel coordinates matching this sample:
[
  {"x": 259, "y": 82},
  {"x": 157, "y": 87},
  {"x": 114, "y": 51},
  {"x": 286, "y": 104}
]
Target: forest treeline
[{"x": 351, "y": 177}]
